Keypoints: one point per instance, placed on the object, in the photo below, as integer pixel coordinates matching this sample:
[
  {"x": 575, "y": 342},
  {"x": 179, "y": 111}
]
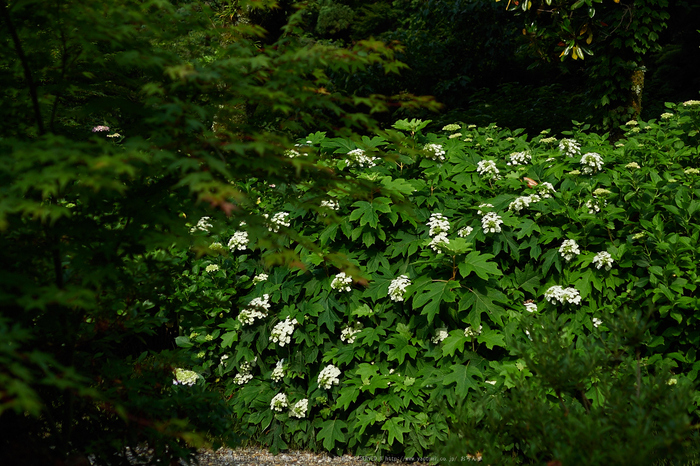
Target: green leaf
[
  {"x": 431, "y": 296},
  {"x": 396, "y": 428},
  {"x": 332, "y": 432},
  {"x": 401, "y": 348},
  {"x": 455, "y": 342},
  {"x": 480, "y": 265},
  {"x": 462, "y": 376},
  {"x": 491, "y": 338},
  {"x": 228, "y": 339},
  {"x": 184, "y": 342}
]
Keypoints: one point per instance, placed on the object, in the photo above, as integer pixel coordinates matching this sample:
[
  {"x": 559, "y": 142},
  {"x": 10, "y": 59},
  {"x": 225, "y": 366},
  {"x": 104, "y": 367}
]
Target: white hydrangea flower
[
  {"x": 523, "y": 202},
  {"x": 397, "y": 287},
  {"x": 491, "y": 223},
  {"x": 549, "y": 140},
  {"x": 483, "y": 206},
  {"x": 666, "y": 116},
  {"x": 292, "y": 153},
  {"x": 257, "y": 309},
  {"x": 435, "y": 152},
  {"x": 596, "y": 322},
  {"x": 531, "y": 306},
  {"x": 569, "y": 249},
  {"x": 438, "y": 223},
  {"x": 470, "y": 332},
  {"x": 212, "y": 268},
  {"x": 245, "y": 373},
  {"x": 202, "y": 225},
  {"x": 691, "y": 103},
  {"x": 439, "y": 242},
  {"x": 358, "y": 157},
  {"x": 631, "y": 123},
  {"x": 454, "y": 136},
  {"x": 464, "y": 232},
  {"x": 282, "y": 332},
  {"x": 691, "y": 171},
  {"x": 545, "y": 189},
  {"x": 451, "y": 127},
  {"x": 299, "y": 409},
  {"x": 569, "y": 147},
  {"x": 341, "y": 282},
  {"x": 329, "y": 377},
  {"x": 260, "y": 278},
  {"x": 280, "y": 219},
  {"x": 330, "y": 204},
  {"x": 633, "y": 165},
  {"x": 349, "y": 333},
  {"x": 279, "y": 402},
  {"x": 184, "y": 377},
  {"x": 520, "y": 158},
  {"x": 278, "y": 371},
  {"x": 592, "y": 206},
  {"x": 557, "y": 294},
  {"x": 239, "y": 241},
  {"x": 487, "y": 169},
  {"x": 440, "y": 335},
  {"x": 592, "y": 162},
  {"x": 218, "y": 247},
  {"x": 603, "y": 259}
]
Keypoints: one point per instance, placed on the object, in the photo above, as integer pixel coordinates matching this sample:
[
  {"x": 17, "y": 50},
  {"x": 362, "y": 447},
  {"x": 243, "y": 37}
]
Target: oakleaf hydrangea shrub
[{"x": 413, "y": 295}]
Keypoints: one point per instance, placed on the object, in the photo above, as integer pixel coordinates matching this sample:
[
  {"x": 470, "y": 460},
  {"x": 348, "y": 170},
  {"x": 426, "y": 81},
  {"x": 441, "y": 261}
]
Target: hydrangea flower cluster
[
  {"x": 569, "y": 249},
  {"x": 470, "y": 332},
  {"x": 279, "y": 402},
  {"x": 278, "y": 371},
  {"x": 349, "y": 333},
  {"x": 358, "y": 157},
  {"x": 569, "y": 147},
  {"x": 299, "y": 409},
  {"x": 596, "y": 322},
  {"x": 245, "y": 373},
  {"x": 239, "y": 241},
  {"x": 466, "y": 231},
  {"x": 211, "y": 268},
  {"x": 520, "y": 158},
  {"x": 217, "y": 247},
  {"x": 691, "y": 103},
  {"x": 341, "y": 282},
  {"x": 451, "y": 127},
  {"x": 491, "y": 222},
  {"x": 202, "y": 225},
  {"x": 439, "y": 242},
  {"x": 666, "y": 116},
  {"x": 523, "y": 202},
  {"x": 592, "y": 162},
  {"x": 397, "y": 287},
  {"x": 545, "y": 190},
  {"x": 435, "y": 152},
  {"x": 487, "y": 169},
  {"x": 330, "y": 204},
  {"x": 260, "y": 278},
  {"x": 328, "y": 377},
  {"x": 530, "y": 306},
  {"x": 184, "y": 377},
  {"x": 292, "y": 153},
  {"x": 603, "y": 259},
  {"x": 282, "y": 332},
  {"x": 594, "y": 205},
  {"x": 562, "y": 295},
  {"x": 257, "y": 309},
  {"x": 280, "y": 219},
  {"x": 438, "y": 223},
  {"x": 100, "y": 129},
  {"x": 440, "y": 335},
  {"x": 483, "y": 206}
]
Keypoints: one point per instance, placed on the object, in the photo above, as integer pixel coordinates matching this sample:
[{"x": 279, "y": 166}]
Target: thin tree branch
[{"x": 4, "y": 11}]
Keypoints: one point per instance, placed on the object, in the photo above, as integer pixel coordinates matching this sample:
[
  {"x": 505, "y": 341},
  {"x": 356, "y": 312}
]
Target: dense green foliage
[
  {"x": 484, "y": 224},
  {"x": 122, "y": 120},
  {"x": 177, "y": 271}
]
